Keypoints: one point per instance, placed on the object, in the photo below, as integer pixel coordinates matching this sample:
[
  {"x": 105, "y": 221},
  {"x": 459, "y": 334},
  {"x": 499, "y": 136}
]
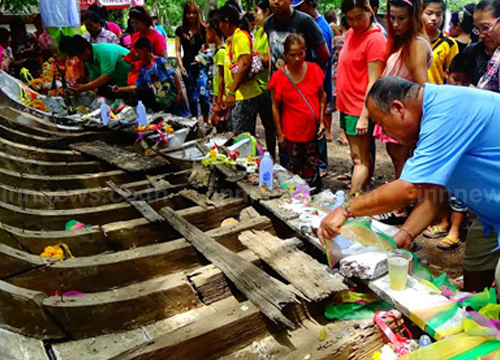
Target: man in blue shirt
[
  {"x": 309, "y": 7},
  {"x": 457, "y": 135}
]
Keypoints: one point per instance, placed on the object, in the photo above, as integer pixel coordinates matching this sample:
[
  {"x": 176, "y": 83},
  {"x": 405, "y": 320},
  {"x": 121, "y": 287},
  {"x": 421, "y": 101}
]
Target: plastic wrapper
[{"x": 356, "y": 237}]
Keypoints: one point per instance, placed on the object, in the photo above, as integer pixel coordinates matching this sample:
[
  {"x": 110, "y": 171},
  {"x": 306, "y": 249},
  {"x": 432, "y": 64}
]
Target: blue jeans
[{"x": 196, "y": 80}]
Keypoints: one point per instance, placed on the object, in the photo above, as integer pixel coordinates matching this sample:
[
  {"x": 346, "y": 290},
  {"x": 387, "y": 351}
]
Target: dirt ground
[{"x": 339, "y": 162}]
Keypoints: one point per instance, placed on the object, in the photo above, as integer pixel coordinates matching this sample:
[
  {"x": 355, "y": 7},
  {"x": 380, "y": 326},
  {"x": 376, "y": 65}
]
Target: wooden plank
[
  {"x": 106, "y": 271},
  {"x": 140, "y": 205},
  {"x": 231, "y": 326},
  {"x": 124, "y": 308},
  {"x": 106, "y": 347},
  {"x": 210, "y": 283},
  {"x": 267, "y": 293},
  {"x": 310, "y": 277},
  {"x": 343, "y": 340},
  {"x": 21, "y": 311},
  {"x": 121, "y": 158},
  {"x": 18, "y": 347}
]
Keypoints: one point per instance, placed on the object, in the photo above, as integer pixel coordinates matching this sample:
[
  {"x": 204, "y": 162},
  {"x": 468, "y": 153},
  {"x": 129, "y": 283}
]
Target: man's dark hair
[
  {"x": 78, "y": 46},
  {"x": 463, "y": 63},
  {"x": 489, "y": 5},
  {"x": 92, "y": 16},
  {"x": 213, "y": 22},
  {"x": 331, "y": 16},
  {"x": 4, "y": 34},
  {"x": 143, "y": 43},
  {"x": 375, "y": 4},
  {"x": 100, "y": 10},
  {"x": 388, "y": 89},
  {"x": 263, "y": 4}
]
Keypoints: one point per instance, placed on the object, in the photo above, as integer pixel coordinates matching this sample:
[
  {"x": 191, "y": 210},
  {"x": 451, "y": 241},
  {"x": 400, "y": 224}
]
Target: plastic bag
[{"x": 356, "y": 236}]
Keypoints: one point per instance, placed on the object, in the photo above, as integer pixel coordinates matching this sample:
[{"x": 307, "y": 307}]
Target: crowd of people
[{"x": 292, "y": 68}]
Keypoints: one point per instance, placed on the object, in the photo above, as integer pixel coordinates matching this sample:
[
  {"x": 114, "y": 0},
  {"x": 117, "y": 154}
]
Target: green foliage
[
  {"x": 17, "y": 6},
  {"x": 455, "y": 5}
]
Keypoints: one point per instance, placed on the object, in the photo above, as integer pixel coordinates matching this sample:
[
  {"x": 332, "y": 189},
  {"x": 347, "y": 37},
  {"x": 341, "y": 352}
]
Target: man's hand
[
  {"x": 403, "y": 240},
  {"x": 331, "y": 224},
  {"x": 179, "y": 97}
]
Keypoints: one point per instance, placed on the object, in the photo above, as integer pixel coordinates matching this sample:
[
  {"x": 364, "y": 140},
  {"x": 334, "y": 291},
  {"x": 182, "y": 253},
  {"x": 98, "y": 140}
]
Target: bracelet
[
  {"x": 231, "y": 93},
  {"x": 347, "y": 208},
  {"x": 407, "y": 232}
]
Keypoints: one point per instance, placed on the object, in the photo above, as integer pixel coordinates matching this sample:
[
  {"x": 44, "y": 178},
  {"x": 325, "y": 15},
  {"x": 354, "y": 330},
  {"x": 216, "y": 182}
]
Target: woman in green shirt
[{"x": 262, "y": 12}]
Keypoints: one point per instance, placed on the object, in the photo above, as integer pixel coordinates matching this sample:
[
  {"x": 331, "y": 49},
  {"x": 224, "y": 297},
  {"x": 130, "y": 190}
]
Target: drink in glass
[{"x": 399, "y": 262}]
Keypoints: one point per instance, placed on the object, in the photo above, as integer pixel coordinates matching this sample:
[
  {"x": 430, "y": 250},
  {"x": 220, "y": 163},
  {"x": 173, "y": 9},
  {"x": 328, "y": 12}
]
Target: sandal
[
  {"x": 323, "y": 173},
  {"x": 449, "y": 243},
  {"x": 344, "y": 177},
  {"x": 434, "y": 232},
  {"x": 391, "y": 218}
]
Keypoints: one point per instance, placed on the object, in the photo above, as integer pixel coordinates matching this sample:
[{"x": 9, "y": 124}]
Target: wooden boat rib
[{"x": 36, "y": 153}]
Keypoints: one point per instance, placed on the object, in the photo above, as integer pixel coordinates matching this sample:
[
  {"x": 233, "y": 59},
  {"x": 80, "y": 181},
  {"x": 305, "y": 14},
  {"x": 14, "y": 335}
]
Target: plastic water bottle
[
  {"x": 424, "y": 341},
  {"x": 104, "y": 112},
  {"x": 266, "y": 171},
  {"x": 141, "y": 114},
  {"x": 339, "y": 199}
]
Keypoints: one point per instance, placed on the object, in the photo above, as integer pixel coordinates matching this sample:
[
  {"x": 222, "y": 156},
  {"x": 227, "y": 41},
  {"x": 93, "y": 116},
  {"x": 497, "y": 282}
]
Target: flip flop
[
  {"x": 434, "y": 232},
  {"x": 344, "y": 177},
  {"x": 449, "y": 243}
]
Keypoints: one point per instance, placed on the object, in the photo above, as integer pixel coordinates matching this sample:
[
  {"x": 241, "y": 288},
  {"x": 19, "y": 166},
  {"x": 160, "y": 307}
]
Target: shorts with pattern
[
  {"x": 301, "y": 158},
  {"x": 243, "y": 117}
]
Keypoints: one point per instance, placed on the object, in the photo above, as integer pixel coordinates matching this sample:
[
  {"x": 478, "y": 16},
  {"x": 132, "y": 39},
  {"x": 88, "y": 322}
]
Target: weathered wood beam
[
  {"x": 140, "y": 205},
  {"x": 119, "y": 157},
  {"x": 270, "y": 295},
  {"x": 124, "y": 308},
  {"x": 310, "y": 277}
]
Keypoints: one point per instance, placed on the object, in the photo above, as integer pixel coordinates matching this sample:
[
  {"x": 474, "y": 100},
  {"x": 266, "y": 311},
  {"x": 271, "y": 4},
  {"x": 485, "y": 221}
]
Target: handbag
[
  {"x": 256, "y": 65},
  {"x": 318, "y": 136}
]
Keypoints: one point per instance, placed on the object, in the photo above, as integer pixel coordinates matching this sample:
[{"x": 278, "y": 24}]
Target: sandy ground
[{"x": 339, "y": 162}]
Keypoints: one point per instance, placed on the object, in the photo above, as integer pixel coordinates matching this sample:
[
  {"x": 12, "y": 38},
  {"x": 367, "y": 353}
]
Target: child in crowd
[
  {"x": 460, "y": 73},
  {"x": 157, "y": 85},
  {"x": 216, "y": 37},
  {"x": 299, "y": 102},
  {"x": 444, "y": 48}
]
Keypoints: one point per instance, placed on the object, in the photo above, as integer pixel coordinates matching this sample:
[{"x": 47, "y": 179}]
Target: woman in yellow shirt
[{"x": 242, "y": 92}]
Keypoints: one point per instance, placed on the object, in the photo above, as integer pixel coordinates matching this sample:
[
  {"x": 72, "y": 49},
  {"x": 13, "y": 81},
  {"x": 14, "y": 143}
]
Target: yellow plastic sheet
[{"x": 447, "y": 349}]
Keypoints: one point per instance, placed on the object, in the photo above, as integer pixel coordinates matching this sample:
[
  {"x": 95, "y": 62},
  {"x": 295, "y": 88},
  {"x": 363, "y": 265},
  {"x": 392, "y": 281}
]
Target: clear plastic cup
[{"x": 399, "y": 263}]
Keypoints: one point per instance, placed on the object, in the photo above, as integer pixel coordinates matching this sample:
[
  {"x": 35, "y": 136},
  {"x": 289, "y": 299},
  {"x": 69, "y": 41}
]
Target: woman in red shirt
[
  {"x": 142, "y": 23},
  {"x": 298, "y": 125},
  {"x": 360, "y": 64}
]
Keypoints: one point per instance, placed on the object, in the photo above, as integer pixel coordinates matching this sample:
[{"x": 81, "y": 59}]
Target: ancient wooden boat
[{"x": 143, "y": 282}]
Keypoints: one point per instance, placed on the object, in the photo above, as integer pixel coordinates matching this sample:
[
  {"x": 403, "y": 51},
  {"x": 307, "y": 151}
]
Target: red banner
[{"x": 87, "y": 3}]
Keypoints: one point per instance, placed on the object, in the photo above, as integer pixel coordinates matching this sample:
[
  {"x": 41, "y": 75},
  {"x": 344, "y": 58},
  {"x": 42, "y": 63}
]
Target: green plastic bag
[
  {"x": 480, "y": 300},
  {"x": 355, "y": 311}
]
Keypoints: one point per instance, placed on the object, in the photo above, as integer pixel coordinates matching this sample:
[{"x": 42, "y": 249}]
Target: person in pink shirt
[
  {"x": 142, "y": 22},
  {"x": 360, "y": 64},
  {"x": 104, "y": 14}
]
